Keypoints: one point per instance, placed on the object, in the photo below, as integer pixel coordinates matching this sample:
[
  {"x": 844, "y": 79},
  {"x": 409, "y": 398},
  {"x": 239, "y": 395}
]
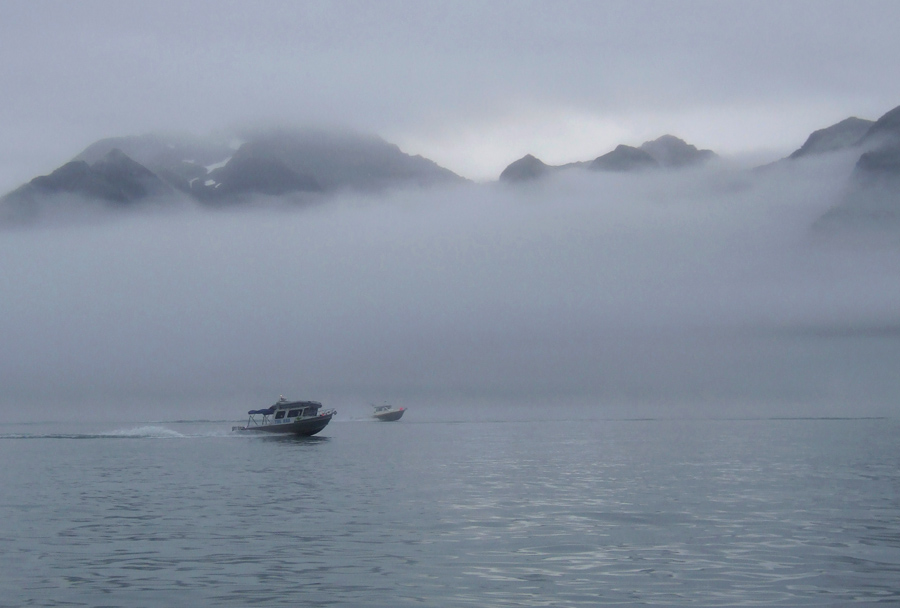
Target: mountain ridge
[
  {"x": 307, "y": 164},
  {"x": 665, "y": 152},
  {"x": 300, "y": 163},
  {"x": 872, "y": 195}
]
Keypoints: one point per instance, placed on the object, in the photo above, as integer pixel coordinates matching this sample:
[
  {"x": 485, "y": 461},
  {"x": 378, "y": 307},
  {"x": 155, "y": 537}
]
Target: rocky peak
[
  {"x": 526, "y": 168},
  {"x": 114, "y": 178},
  {"x": 624, "y": 158},
  {"x": 672, "y": 152}
]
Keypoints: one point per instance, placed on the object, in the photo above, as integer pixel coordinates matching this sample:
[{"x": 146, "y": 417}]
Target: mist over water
[{"x": 692, "y": 292}]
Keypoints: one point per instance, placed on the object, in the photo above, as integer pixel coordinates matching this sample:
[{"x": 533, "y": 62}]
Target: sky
[
  {"x": 700, "y": 291},
  {"x": 471, "y": 85}
]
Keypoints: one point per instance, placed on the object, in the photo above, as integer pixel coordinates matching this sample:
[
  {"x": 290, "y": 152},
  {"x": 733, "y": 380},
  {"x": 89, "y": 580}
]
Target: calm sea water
[{"x": 559, "y": 512}]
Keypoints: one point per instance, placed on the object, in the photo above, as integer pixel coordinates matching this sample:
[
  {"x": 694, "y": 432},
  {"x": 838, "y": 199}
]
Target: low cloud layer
[{"x": 699, "y": 291}]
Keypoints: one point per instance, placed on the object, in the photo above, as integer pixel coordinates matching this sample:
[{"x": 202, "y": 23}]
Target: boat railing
[{"x": 252, "y": 420}]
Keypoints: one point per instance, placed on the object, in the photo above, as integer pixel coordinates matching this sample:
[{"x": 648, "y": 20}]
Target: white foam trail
[{"x": 148, "y": 431}]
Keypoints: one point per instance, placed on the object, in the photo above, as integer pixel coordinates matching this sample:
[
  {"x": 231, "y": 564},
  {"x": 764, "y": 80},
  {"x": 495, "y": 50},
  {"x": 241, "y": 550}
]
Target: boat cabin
[{"x": 284, "y": 412}]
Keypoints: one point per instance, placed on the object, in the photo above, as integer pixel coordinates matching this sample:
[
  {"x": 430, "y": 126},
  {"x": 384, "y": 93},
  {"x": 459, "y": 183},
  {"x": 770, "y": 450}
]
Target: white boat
[
  {"x": 387, "y": 413},
  {"x": 289, "y": 417}
]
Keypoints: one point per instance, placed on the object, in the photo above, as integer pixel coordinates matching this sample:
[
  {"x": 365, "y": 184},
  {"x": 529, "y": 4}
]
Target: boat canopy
[{"x": 265, "y": 412}]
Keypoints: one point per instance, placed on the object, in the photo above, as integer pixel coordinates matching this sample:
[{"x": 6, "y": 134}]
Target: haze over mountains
[
  {"x": 667, "y": 152},
  {"x": 308, "y": 164},
  {"x": 124, "y": 171},
  {"x": 343, "y": 268},
  {"x": 871, "y": 196},
  {"x": 873, "y": 193}
]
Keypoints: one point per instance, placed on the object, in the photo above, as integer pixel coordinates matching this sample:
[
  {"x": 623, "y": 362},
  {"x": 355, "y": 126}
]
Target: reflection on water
[{"x": 566, "y": 513}]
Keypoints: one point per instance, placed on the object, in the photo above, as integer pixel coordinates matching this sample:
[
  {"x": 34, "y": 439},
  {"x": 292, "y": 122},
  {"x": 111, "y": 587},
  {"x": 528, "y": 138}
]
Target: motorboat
[
  {"x": 388, "y": 413},
  {"x": 302, "y": 418}
]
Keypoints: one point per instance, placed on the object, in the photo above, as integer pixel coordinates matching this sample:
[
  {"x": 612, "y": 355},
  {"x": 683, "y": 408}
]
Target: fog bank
[{"x": 693, "y": 292}]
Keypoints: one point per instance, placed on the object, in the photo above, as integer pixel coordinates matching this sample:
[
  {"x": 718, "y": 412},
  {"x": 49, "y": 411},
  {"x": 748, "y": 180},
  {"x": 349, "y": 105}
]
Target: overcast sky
[{"x": 472, "y": 85}]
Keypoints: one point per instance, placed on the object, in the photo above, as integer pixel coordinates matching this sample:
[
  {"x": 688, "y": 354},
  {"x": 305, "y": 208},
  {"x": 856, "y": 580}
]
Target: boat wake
[
  {"x": 137, "y": 432},
  {"x": 147, "y": 432}
]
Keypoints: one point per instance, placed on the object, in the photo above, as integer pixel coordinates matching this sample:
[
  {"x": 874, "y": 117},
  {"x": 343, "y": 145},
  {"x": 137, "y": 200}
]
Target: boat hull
[
  {"x": 389, "y": 416},
  {"x": 303, "y": 428}
]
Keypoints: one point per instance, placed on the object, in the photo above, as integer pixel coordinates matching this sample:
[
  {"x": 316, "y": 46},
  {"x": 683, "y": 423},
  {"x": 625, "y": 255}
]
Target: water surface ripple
[{"x": 519, "y": 513}]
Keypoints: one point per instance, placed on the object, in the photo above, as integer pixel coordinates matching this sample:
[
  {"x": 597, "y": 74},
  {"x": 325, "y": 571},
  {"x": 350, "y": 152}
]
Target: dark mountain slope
[
  {"x": 115, "y": 178},
  {"x": 839, "y": 136},
  {"x": 526, "y": 168},
  {"x": 338, "y": 160},
  {"x": 667, "y": 152},
  {"x": 624, "y": 158},
  {"x": 872, "y": 197},
  {"x": 123, "y": 170}
]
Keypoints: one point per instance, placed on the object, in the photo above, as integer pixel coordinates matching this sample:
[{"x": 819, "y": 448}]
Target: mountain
[
  {"x": 248, "y": 173},
  {"x": 885, "y": 131},
  {"x": 668, "y": 152},
  {"x": 114, "y": 179},
  {"x": 304, "y": 164},
  {"x": 844, "y": 135},
  {"x": 624, "y": 158},
  {"x": 839, "y": 136},
  {"x": 276, "y": 162},
  {"x": 338, "y": 160},
  {"x": 121, "y": 171},
  {"x": 177, "y": 159},
  {"x": 674, "y": 153},
  {"x": 526, "y": 168},
  {"x": 872, "y": 197}
]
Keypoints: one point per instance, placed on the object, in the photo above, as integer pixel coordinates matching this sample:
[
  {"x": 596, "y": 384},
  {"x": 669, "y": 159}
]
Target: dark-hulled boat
[
  {"x": 387, "y": 413},
  {"x": 288, "y": 417}
]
